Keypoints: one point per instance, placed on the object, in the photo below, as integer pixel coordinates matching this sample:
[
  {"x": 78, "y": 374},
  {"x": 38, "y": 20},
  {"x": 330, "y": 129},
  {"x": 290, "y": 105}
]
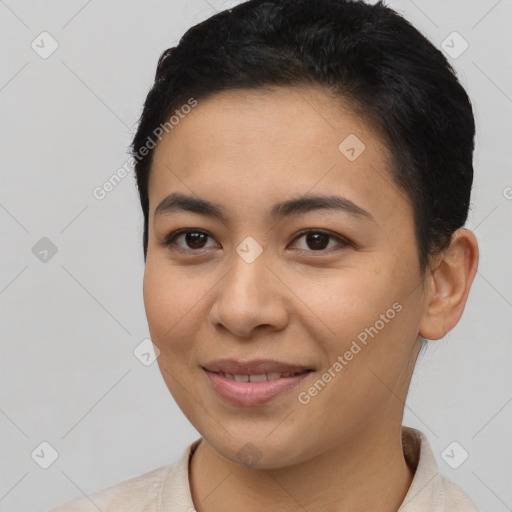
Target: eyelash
[{"x": 170, "y": 239}]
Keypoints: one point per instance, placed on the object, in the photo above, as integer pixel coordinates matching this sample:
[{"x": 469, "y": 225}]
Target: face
[{"x": 280, "y": 245}]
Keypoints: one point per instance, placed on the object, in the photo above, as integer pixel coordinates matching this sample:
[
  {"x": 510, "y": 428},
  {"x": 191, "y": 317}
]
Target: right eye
[{"x": 193, "y": 240}]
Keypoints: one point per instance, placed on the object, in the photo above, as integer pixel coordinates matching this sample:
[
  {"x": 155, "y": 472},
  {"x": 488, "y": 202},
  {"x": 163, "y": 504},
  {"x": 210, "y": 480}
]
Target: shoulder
[
  {"x": 160, "y": 489},
  {"x": 456, "y": 499},
  {"x": 429, "y": 490},
  {"x": 138, "y": 493}
]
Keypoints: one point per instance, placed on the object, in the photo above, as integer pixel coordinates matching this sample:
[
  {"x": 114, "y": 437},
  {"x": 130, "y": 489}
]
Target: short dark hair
[{"x": 368, "y": 56}]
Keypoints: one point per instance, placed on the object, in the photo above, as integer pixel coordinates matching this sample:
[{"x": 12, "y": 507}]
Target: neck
[{"x": 366, "y": 472}]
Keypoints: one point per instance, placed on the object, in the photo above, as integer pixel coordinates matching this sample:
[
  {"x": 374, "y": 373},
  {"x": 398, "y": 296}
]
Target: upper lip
[{"x": 253, "y": 367}]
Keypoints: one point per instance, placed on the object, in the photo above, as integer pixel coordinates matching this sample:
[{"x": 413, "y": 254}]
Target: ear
[{"x": 448, "y": 285}]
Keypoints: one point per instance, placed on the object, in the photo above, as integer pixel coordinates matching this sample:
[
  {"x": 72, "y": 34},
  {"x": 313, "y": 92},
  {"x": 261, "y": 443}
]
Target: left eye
[{"x": 319, "y": 240}]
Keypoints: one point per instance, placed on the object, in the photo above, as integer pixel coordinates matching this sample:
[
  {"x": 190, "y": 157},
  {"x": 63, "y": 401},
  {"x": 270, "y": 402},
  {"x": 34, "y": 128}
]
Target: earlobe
[{"x": 450, "y": 282}]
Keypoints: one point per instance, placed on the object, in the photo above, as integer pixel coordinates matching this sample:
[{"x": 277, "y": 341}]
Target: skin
[{"x": 247, "y": 150}]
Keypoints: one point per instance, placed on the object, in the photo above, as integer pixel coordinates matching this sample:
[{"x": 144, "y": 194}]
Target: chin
[{"x": 258, "y": 452}]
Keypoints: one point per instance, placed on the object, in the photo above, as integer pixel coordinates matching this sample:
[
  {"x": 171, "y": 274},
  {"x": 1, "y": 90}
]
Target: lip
[
  {"x": 251, "y": 394},
  {"x": 253, "y": 367}
]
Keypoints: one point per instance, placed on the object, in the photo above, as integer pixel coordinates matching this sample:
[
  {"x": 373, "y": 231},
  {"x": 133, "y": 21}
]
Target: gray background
[{"x": 70, "y": 323}]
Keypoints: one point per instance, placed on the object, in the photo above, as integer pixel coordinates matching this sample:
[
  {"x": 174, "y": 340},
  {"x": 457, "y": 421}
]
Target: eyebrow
[{"x": 303, "y": 204}]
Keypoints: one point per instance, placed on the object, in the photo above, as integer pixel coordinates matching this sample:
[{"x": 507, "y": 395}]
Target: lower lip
[{"x": 249, "y": 394}]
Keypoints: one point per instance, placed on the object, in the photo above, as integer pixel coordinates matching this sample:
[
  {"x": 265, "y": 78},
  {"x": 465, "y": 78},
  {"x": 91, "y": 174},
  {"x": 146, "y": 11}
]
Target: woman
[{"x": 305, "y": 171}]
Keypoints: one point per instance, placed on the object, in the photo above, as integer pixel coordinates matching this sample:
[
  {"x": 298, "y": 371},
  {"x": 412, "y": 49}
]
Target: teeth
[{"x": 258, "y": 378}]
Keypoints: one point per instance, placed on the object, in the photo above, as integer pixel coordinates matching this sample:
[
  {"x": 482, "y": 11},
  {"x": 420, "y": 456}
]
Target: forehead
[{"x": 249, "y": 146}]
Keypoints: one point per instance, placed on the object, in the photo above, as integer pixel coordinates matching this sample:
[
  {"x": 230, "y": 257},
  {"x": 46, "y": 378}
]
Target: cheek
[
  {"x": 342, "y": 302},
  {"x": 172, "y": 311},
  {"x": 173, "y": 304},
  {"x": 365, "y": 361},
  {"x": 366, "y": 315}
]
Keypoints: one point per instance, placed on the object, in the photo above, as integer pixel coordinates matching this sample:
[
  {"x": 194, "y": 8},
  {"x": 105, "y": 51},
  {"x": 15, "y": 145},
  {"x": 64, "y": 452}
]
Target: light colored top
[{"x": 167, "y": 489}]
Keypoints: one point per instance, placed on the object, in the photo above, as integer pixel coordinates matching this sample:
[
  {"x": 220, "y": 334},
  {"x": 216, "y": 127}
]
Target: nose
[{"x": 249, "y": 298}]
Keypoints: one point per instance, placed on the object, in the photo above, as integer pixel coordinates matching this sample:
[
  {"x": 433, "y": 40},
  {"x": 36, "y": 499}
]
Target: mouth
[
  {"x": 253, "y": 383},
  {"x": 260, "y": 377}
]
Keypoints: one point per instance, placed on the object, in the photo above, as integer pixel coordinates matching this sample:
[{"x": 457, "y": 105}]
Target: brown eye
[
  {"x": 188, "y": 239},
  {"x": 317, "y": 241},
  {"x": 195, "y": 239},
  {"x": 320, "y": 241}
]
